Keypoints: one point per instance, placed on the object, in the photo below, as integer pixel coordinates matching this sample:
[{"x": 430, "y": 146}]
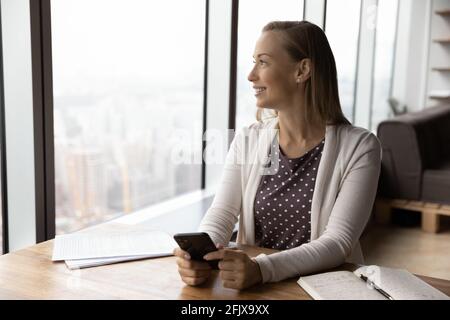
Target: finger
[
  {"x": 230, "y": 284},
  {"x": 178, "y": 252},
  {"x": 227, "y": 275},
  {"x": 193, "y": 281},
  {"x": 226, "y": 254},
  {"x": 230, "y": 254},
  {"x": 194, "y": 273},
  {"x": 215, "y": 255},
  {"x": 219, "y": 246},
  {"x": 226, "y": 265},
  {"x": 192, "y": 264}
]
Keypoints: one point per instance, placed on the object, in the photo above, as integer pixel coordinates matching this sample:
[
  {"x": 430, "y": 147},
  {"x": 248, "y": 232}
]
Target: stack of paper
[
  {"x": 440, "y": 94},
  {"x": 82, "y": 250}
]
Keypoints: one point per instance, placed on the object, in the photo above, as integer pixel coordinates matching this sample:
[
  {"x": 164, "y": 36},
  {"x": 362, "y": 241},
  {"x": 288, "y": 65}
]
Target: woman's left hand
[{"x": 237, "y": 269}]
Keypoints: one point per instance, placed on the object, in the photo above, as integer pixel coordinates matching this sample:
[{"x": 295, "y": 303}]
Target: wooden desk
[{"x": 30, "y": 274}]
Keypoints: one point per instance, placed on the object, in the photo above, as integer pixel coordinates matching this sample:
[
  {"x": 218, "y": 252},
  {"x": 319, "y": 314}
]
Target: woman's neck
[{"x": 296, "y": 130}]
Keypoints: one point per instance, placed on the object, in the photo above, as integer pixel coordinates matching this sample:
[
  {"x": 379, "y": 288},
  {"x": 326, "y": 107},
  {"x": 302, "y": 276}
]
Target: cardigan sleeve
[
  {"x": 222, "y": 216},
  {"x": 348, "y": 218}
]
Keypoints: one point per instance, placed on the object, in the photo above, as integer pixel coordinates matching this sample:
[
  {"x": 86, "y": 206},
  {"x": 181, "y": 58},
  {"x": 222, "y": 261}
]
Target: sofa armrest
[
  {"x": 401, "y": 164},
  {"x": 412, "y": 143}
]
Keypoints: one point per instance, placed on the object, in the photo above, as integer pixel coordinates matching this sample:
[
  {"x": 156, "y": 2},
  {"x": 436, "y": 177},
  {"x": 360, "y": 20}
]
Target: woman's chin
[{"x": 261, "y": 104}]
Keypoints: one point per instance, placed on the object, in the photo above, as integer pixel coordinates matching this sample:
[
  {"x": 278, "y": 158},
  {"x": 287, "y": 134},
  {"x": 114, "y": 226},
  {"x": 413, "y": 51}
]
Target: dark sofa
[{"x": 416, "y": 156}]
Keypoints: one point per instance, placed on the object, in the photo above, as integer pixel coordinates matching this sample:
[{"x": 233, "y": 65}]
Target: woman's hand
[
  {"x": 237, "y": 269},
  {"x": 192, "y": 272}
]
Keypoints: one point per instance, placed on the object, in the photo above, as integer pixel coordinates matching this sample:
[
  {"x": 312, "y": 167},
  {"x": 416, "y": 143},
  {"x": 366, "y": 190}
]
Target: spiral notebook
[{"x": 381, "y": 284}]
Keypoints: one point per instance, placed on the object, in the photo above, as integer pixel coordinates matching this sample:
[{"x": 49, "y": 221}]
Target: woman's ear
[{"x": 303, "y": 70}]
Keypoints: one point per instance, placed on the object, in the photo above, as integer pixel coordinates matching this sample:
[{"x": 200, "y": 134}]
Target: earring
[{"x": 298, "y": 80}]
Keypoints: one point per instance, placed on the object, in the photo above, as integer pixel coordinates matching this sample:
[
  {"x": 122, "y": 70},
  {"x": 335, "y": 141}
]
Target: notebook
[{"x": 382, "y": 283}]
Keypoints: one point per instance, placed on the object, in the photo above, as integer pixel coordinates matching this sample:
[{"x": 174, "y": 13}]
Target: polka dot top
[{"x": 282, "y": 205}]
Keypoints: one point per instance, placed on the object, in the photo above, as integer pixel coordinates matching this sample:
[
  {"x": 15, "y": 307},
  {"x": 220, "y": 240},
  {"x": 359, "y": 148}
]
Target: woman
[{"x": 311, "y": 192}]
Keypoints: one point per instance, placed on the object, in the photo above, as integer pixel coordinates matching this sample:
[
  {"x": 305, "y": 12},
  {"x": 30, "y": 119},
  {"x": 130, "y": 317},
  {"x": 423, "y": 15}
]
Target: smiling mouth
[{"x": 259, "y": 90}]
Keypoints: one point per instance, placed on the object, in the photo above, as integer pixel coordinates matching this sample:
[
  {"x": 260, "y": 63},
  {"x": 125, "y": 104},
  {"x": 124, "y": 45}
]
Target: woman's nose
[{"x": 251, "y": 76}]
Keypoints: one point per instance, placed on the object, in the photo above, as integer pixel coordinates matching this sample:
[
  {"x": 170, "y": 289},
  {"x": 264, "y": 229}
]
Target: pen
[{"x": 384, "y": 293}]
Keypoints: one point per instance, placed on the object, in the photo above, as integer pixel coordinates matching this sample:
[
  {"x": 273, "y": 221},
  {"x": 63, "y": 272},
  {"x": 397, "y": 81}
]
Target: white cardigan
[{"x": 344, "y": 193}]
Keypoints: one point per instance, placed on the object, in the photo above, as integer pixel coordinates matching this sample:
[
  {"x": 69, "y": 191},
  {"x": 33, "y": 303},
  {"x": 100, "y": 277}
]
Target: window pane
[
  {"x": 384, "y": 55},
  {"x": 128, "y": 102},
  {"x": 342, "y": 29},
  {"x": 253, "y": 16}
]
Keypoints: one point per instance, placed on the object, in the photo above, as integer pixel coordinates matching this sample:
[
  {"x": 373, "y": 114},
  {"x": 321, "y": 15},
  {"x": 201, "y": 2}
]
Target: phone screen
[{"x": 197, "y": 244}]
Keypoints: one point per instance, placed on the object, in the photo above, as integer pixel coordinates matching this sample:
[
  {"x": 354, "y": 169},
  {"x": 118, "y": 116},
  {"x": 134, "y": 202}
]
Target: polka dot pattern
[{"x": 282, "y": 205}]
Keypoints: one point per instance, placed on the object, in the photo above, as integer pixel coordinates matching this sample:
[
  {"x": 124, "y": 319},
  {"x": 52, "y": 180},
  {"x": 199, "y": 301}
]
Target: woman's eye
[{"x": 260, "y": 61}]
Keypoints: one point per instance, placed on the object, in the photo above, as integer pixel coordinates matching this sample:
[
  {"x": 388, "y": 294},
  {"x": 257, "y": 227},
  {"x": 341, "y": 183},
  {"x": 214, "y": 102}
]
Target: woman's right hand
[{"x": 192, "y": 272}]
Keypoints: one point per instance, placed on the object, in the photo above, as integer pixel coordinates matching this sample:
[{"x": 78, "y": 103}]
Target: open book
[{"x": 381, "y": 284}]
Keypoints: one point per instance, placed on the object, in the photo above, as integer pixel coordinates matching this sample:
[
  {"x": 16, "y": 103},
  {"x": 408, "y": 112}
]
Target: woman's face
[{"x": 274, "y": 73}]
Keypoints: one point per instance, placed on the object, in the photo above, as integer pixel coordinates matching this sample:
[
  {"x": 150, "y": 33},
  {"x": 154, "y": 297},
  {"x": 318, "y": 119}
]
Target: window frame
[
  {"x": 3, "y": 176},
  {"x": 41, "y": 51}
]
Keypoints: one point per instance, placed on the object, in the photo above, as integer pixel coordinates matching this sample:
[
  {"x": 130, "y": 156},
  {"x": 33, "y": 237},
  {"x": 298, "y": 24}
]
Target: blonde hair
[{"x": 305, "y": 40}]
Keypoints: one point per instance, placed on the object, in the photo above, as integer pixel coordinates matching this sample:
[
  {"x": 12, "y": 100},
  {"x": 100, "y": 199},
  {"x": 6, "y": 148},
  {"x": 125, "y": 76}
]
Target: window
[
  {"x": 384, "y": 55},
  {"x": 128, "y": 101},
  {"x": 342, "y": 29},
  {"x": 253, "y": 16}
]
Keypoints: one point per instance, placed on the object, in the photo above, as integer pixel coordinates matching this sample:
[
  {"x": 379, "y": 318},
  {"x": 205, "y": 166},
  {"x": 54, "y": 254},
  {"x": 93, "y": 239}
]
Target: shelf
[
  {"x": 439, "y": 46},
  {"x": 442, "y": 40},
  {"x": 443, "y": 12},
  {"x": 441, "y": 69}
]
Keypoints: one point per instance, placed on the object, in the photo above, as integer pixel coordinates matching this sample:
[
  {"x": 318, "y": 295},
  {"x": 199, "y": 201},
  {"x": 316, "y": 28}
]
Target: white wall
[
  {"x": 410, "y": 73},
  {"x": 366, "y": 56},
  {"x": 18, "y": 122},
  {"x": 314, "y": 12}
]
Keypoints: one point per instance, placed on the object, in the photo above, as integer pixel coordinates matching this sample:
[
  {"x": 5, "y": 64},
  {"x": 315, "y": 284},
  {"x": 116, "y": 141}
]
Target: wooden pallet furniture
[{"x": 431, "y": 212}]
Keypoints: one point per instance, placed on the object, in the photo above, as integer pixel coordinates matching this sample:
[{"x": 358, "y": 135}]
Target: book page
[
  {"x": 103, "y": 245},
  {"x": 338, "y": 285},
  {"x": 401, "y": 284}
]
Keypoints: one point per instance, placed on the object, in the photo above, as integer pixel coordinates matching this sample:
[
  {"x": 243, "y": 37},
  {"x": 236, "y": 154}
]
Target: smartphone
[{"x": 197, "y": 244}]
